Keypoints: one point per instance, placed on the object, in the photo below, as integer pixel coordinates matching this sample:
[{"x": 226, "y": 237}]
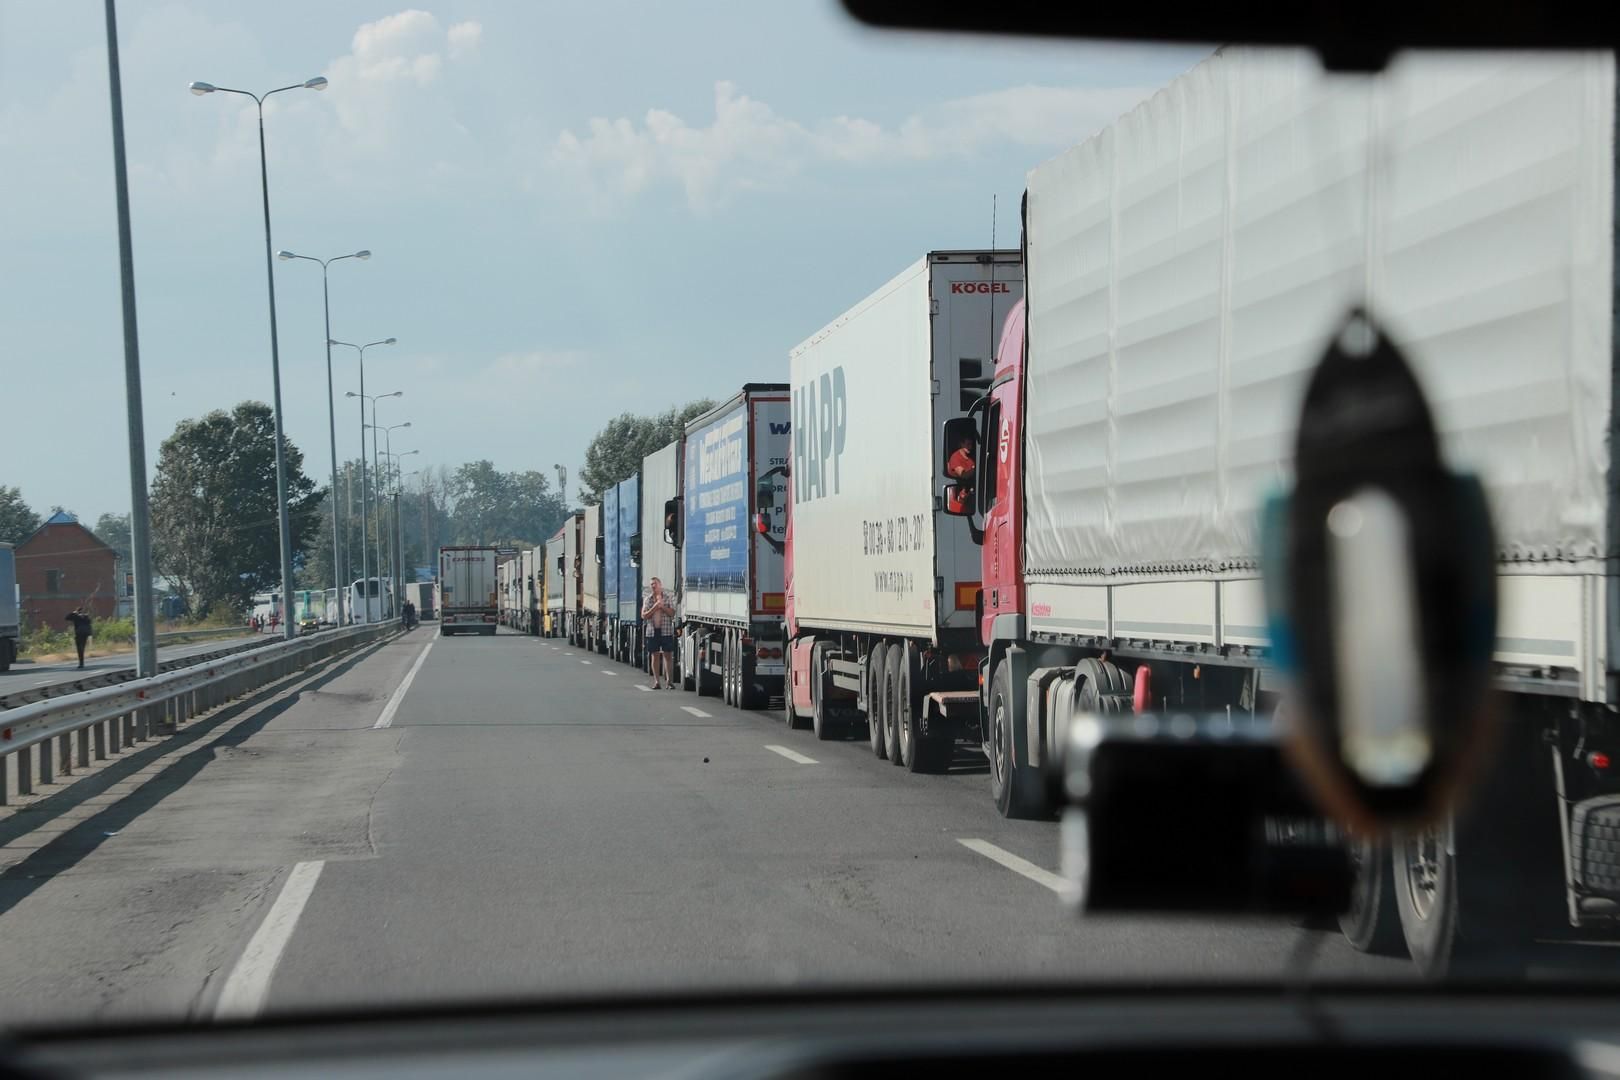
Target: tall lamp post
[
  {"x": 289, "y": 626},
  {"x": 331, "y": 417},
  {"x": 365, "y": 571},
  {"x": 399, "y": 520},
  {"x": 364, "y": 397}
]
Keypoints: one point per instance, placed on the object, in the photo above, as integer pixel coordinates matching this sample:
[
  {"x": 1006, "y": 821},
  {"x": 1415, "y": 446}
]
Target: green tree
[
  {"x": 215, "y": 526},
  {"x": 113, "y": 530},
  {"x": 616, "y": 451},
  {"x": 17, "y": 519}
]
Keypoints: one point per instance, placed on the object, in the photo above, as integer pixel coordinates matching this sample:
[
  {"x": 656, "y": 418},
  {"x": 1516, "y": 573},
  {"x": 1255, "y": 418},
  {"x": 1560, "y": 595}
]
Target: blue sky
[{"x": 575, "y": 209}]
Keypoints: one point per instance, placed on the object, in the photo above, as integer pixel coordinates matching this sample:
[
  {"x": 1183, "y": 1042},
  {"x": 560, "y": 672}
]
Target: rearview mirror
[
  {"x": 561, "y": 564},
  {"x": 599, "y": 550},
  {"x": 672, "y": 521},
  {"x": 959, "y": 432},
  {"x": 635, "y": 550},
  {"x": 956, "y": 499}
]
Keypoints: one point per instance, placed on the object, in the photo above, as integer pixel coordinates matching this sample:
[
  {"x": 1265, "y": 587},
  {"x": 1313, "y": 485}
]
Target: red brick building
[{"x": 62, "y": 566}]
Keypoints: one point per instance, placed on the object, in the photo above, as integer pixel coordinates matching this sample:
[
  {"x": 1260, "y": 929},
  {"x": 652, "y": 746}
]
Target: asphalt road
[
  {"x": 29, "y": 676},
  {"x": 531, "y": 822}
]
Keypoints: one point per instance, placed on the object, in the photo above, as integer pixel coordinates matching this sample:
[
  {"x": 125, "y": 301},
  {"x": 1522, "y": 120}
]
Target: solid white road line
[
  {"x": 244, "y": 991},
  {"x": 694, "y": 710},
  {"x": 792, "y": 755},
  {"x": 1016, "y": 864},
  {"x": 584, "y": 661},
  {"x": 639, "y": 686},
  {"x": 392, "y": 707}
]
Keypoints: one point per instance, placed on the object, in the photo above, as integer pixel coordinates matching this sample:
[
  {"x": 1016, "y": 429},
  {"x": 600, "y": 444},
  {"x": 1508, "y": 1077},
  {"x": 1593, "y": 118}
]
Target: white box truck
[
  {"x": 10, "y": 622},
  {"x": 654, "y": 546},
  {"x": 1185, "y": 269},
  {"x": 882, "y": 584},
  {"x": 555, "y": 560},
  {"x": 469, "y": 599},
  {"x": 574, "y": 578},
  {"x": 592, "y": 617},
  {"x": 730, "y": 639}
]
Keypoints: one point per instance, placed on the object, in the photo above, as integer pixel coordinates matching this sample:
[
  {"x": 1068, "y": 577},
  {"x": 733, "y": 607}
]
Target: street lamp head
[
  {"x": 390, "y": 341},
  {"x": 201, "y": 88},
  {"x": 407, "y": 424},
  {"x": 285, "y": 255},
  {"x": 351, "y": 393},
  {"x": 317, "y": 83},
  {"x": 396, "y": 393},
  {"x": 362, "y": 254}
]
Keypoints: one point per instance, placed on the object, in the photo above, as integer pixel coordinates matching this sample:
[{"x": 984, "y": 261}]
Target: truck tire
[
  {"x": 1103, "y": 681},
  {"x": 821, "y": 719},
  {"x": 891, "y": 700},
  {"x": 8, "y": 653},
  {"x": 1014, "y": 785},
  {"x": 707, "y": 683},
  {"x": 688, "y": 662},
  {"x": 918, "y": 753},
  {"x": 876, "y": 663},
  {"x": 749, "y": 694},
  {"x": 790, "y": 715},
  {"x": 1372, "y": 923}
]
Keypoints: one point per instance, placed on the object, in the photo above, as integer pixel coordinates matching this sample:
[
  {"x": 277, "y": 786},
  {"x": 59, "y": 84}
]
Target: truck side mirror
[
  {"x": 635, "y": 550},
  {"x": 599, "y": 551},
  {"x": 956, "y": 500},
  {"x": 561, "y": 564},
  {"x": 764, "y": 500},
  {"x": 672, "y": 521},
  {"x": 956, "y": 430}
]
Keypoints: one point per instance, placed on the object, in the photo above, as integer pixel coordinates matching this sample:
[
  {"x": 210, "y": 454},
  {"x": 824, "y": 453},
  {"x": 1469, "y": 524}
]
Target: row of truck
[{"x": 1012, "y": 487}]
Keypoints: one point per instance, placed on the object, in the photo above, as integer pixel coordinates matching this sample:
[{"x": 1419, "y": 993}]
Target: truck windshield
[{"x": 691, "y": 292}]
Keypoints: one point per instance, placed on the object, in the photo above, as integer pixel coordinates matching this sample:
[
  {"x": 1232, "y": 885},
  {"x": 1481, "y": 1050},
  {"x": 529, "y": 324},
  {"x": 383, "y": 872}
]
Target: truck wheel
[
  {"x": 1103, "y": 681},
  {"x": 1014, "y": 785},
  {"x": 891, "y": 700},
  {"x": 688, "y": 663},
  {"x": 821, "y": 719},
  {"x": 8, "y": 653},
  {"x": 1372, "y": 923},
  {"x": 707, "y": 683},
  {"x": 728, "y": 669},
  {"x": 748, "y": 691},
  {"x": 789, "y": 714},
  {"x": 876, "y": 704},
  {"x": 1426, "y": 895},
  {"x": 918, "y": 754}
]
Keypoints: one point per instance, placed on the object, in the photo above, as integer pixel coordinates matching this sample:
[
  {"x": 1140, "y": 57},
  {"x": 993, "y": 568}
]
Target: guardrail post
[
  {"x": 46, "y": 773},
  {"x": 4, "y": 759},
  {"x": 101, "y": 740},
  {"x": 64, "y": 748},
  {"x": 84, "y": 747},
  {"x": 143, "y": 724},
  {"x": 25, "y": 771}
]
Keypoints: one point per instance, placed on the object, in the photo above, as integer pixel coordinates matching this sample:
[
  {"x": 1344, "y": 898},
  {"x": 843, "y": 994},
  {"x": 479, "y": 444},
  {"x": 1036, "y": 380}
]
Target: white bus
[
  {"x": 265, "y": 605},
  {"x": 371, "y": 600}
]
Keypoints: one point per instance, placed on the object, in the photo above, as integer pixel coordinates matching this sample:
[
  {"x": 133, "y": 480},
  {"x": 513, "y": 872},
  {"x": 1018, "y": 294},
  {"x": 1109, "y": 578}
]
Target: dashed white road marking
[
  {"x": 648, "y": 689},
  {"x": 1016, "y": 864},
  {"x": 245, "y": 989},
  {"x": 792, "y": 755},
  {"x": 694, "y": 710},
  {"x": 604, "y": 671},
  {"x": 584, "y": 661},
  {"x": 398, "y": 696}
]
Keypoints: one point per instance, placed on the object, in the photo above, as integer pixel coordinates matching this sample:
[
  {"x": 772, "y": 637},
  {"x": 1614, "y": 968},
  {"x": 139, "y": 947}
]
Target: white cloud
[
  {"x": 464, "y": 38},
  {"x": 749, "y": 145}
]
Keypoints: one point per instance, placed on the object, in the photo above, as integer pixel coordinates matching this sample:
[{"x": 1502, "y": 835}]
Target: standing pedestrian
[
  {"x": 657, "y": 613},
  {"x": 81, "y": 630}
]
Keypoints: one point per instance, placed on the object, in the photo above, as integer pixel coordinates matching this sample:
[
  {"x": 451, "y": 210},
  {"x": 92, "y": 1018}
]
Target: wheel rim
[
  {"x": 903, "y": 720},
  {"x": 1423, "y": 870},
  {"x": 998, "y": 748}
]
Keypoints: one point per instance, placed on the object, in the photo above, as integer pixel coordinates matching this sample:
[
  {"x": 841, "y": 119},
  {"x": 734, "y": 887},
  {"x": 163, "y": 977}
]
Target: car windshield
[{"x": 874, "y": 508}]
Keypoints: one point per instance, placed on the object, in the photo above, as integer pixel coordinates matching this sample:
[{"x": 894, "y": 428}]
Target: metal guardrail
[
  {"x": 202, "y": 635},
  {"x": 99, "y": 722},
  {"x": 78, "y": 682}
]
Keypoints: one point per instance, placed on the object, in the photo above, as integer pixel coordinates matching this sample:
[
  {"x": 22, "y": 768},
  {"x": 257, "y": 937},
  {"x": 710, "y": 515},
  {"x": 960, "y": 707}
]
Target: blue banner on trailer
[
  {"x": 610, "y": 552},
  {"x": 717, "y": 536},
  {"x": 629, "y": 610}
]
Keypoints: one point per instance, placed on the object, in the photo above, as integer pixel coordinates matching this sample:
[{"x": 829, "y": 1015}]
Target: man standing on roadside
[
  {"x": 657, "y": 613},
  {"x": 81, "y": 630}
]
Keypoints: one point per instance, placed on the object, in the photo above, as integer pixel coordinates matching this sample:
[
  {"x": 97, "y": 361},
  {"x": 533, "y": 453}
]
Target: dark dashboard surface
[{"x": 1378, "y": 1036}]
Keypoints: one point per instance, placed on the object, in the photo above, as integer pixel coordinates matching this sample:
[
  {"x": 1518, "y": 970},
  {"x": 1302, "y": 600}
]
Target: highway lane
[
  {"x": 28, "y": 676},
  {"x": 530, "y": 822}
]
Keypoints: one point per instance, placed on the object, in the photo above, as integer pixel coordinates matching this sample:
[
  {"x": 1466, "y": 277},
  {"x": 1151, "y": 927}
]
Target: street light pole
[
  {"x": 289, "y": 625},
  {"x": 331, "y": 418},
  {"x": 395, "y": 478},
  {"x": 139, "y": 511},
  {"x": 365, "y": 572},
  {"x": 375, "y": 448}
]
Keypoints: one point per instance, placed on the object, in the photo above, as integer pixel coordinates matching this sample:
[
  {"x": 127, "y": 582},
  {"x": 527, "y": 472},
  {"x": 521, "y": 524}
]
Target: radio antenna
[{"x": 993, "y": 284}]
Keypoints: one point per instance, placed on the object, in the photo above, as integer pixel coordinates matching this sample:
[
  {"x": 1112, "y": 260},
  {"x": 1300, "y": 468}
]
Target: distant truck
[
  {"x": 509, "y": 581},
  {"x": 621, "y": 579},
  {"x": 573, "y": 608},
  {"x": 10, "y": 621},
  {"x": 593, "y": 626},
  {"x": 555, "y": 560},
  {"x": 654, "y": 544},
  {"x": 882, "y": 584},
  {"x": 421, "y": 593},
  {"x": 731, "y": 556},
  {"x": 468, "y": 590}
]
